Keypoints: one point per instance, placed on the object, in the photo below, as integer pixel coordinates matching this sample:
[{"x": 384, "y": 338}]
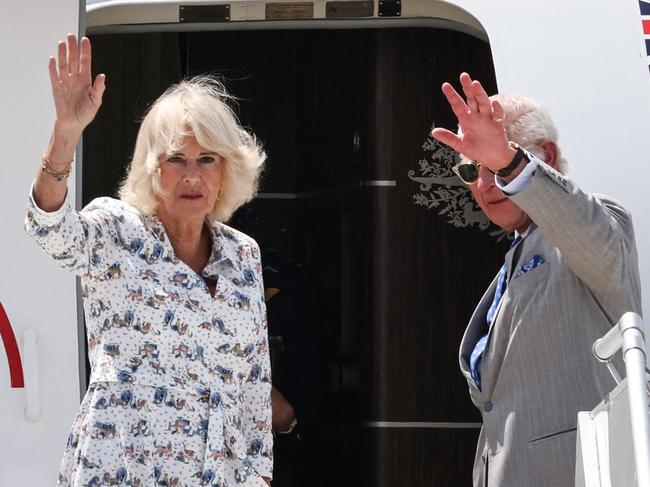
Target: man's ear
[{"x": 551, "y": 152}]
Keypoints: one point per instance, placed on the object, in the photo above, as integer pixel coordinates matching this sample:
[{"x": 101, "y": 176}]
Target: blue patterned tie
[{"x": 479, "y": 348}]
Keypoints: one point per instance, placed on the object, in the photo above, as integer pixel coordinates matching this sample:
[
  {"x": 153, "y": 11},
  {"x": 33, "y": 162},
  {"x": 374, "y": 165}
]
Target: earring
[{"x": 219, "y": 193}]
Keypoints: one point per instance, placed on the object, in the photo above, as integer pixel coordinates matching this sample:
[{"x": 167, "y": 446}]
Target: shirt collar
[
  {"x": 153, "y": 223},
  {"x": 226, "y": 246},
  {"x": 531, "y": 227}
]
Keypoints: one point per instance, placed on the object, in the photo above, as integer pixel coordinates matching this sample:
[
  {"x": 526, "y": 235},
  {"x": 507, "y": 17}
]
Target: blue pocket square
[{"x": 536, "y": 261}]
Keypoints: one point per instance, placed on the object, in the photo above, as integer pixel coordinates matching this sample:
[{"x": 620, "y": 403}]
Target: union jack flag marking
[{"x": 644, "y": 6}]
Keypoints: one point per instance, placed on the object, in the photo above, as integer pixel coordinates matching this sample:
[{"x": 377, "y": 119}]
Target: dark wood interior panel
[
  {"x": 407, "y": 71},
  {"x": 261, "y": 70},
  {"x": 424, "y": 275},
  {"x": 424, "y": 278},
  {"x": 405, "y": 457}
]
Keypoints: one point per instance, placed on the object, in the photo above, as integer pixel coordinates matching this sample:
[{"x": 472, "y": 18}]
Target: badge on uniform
[{"x": 536, "y": 261}]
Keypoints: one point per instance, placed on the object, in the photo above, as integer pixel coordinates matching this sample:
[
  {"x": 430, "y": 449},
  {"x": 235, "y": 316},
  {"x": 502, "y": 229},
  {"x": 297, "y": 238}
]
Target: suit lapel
[
  {"x": 512, "y": 259},
  {"x": 476, "y": 327}
]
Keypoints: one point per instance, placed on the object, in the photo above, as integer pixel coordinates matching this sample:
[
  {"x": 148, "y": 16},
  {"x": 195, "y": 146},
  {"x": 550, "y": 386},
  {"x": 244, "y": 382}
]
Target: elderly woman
[{"x": 180, "y": 385}]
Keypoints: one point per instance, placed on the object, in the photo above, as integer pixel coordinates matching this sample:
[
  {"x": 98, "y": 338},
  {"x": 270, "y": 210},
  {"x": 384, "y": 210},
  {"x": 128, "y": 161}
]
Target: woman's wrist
[
  {"x": 61, "y": 150},
  {"x": 61, "y": 164},
  {"x": 68, "y": 135},
  {"x": 60, "y": 172}
]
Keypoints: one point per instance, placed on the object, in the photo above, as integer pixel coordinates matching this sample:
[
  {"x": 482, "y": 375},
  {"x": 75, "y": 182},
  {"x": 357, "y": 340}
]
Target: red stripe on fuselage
[
  {"x": 646, "y": 26},
  {"x": 11, "y": 348}
]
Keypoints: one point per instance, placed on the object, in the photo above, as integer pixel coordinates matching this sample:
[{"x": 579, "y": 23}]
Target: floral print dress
[{"x": 180, "y": 385}]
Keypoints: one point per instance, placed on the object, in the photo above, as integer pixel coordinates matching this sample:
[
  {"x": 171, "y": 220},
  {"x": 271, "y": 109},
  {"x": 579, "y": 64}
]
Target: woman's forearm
[
  {"x": 49, "y": 193},
  {"x": 77, "y": 99}
]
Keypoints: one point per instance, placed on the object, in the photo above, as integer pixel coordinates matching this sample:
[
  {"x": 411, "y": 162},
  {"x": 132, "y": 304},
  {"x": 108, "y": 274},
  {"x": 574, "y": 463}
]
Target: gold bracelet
[{"x": 58, "y": 175}]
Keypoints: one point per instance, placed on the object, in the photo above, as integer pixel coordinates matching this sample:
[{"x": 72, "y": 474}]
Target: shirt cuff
[
  {"x": 44, "y": 217},
  {"x": 522, "y": 180},
  {"x": 264, "y": 467}
]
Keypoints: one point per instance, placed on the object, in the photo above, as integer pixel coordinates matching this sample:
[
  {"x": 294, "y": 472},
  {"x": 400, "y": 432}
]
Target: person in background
[
  {"x": 295, "y": 353},
  {"x": 297, "y": 376},
  {"x": 568, "y": 277},
  {"x": 180, "y": 387}
]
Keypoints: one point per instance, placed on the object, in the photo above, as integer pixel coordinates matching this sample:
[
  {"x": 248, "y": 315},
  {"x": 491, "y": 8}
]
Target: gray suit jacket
[{"x": 538, "y": 370}]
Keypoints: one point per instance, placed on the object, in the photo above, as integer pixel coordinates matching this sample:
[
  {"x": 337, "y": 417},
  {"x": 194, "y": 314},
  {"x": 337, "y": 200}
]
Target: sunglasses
[{"x": 467, "y": 171}]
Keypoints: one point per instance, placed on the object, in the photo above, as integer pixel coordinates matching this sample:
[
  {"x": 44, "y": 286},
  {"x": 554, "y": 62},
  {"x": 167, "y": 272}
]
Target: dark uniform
[{"x": 295, "y": 363}]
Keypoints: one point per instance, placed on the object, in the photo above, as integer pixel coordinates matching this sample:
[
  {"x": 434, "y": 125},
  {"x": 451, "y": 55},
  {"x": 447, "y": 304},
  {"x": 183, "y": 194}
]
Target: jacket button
[{"x": 487, "y": 407}]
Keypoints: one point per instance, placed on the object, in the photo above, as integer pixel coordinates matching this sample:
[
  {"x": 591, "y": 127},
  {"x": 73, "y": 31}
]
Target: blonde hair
[{"x": 197, "y": 107}]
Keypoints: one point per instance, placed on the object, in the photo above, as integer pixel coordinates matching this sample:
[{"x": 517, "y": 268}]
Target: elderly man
[{"x": 569, "y": 275}]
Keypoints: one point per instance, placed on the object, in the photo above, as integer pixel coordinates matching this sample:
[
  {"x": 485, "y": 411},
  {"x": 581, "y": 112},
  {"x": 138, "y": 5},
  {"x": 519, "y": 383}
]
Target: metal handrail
[
  {"x": 32, "y": 386},
  {"x": 628, "y": 336}
]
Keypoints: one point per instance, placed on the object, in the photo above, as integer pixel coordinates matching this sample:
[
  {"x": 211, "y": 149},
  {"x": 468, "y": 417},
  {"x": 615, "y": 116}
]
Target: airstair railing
[{"x": 628, "y": 336}]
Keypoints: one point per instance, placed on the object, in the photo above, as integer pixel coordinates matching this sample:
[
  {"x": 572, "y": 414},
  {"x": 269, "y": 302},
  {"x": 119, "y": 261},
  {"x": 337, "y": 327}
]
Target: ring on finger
[{"x": 498, "y": 120}]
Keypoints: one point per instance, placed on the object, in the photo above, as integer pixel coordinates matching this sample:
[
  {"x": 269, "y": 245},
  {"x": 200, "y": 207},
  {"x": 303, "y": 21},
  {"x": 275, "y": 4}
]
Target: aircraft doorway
[{"x": 379, "y": 288}]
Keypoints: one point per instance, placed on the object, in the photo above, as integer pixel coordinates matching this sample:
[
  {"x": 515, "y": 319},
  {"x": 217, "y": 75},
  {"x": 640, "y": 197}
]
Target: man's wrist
[
  {"x": 517, "y": 171},
  {"x": 515, "y": 162},
  {"x": 506, "y": 159}
]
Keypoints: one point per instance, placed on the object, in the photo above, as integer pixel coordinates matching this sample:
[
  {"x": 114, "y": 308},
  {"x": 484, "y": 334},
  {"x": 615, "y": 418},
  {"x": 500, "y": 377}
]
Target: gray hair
[
  {"x": 528, "y": 124},
  {"x": 199, "y": 107}
]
